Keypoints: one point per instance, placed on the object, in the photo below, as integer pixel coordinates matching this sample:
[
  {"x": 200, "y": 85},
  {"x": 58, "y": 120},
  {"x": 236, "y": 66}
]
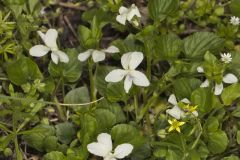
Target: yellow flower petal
[
  {"x": 178, "y": 129},
  {"x": 170, "y": 122},
  {"x": 170, "y": 129}
]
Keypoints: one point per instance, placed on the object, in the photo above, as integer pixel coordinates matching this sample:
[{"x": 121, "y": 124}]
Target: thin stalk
[
  {"x": 49, "y": 103},
  {"x": 136, "y": 106},
  {"x": 56, "y": 88},
  {"x": 61, "y": 113},
  {"x": 4, "y": 79},
  {"x": 199, "y": 135},
  {"x": 183, "y": 147},
  {"x": 91, "y": 77}
]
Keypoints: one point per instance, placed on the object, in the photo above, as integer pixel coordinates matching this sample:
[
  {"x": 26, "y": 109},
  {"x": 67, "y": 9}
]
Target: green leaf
[
  {"x": 32, "y": 4},
  {"x": 235, "y": 7},
  {"x": 77, "y": 96},
  {"x": 87, "y": 132},
  {"x": 101, "y": 84},
  {"x": 236, "y": 112},
  {"x": 217, "y": 141},
  {"x": 124, "y": 133},
  {"x": 115, "y": 108},
  {"x": 129, "y": 44},
  {"x": 70, "y": 71},
  {"x": 184, "y": 87},
  {"x": 232, "y": 157},
  {"x": 160, "y": 9},
  {"x": 212, "y": 124},
  {"x": 36, "y": 140},
  {"x": 22, "y": 71},
  {"x": 85, "y": 37},
  {"x": 196, "y": 45},
  {"x": 116, "y": 92},
  {"x": 169, "y": 46},
  {"x": 230, "y": 94},
  {"x": 105, "y": 119},
  {"x": 65, "y": 132},
  {"x": 96, "y": 29},
  {"x": 238, "y": 136},
  {"x": 50, "y": 143},
  {"x": 203, "y": 97},
  {"x": 55, "y": 155}
]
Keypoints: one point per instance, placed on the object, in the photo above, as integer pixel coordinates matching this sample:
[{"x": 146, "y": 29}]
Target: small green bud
[
  {"x": 7, "y": 152},
  {"x": 219, "y": 11}
]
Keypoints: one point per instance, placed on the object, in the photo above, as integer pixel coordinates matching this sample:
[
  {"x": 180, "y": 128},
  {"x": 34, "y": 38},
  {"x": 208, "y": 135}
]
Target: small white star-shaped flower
[
  {"x": 50, "y": 40},
  {"x": 130, "y": 61},
  {"x": 226, "y": 57},
  {"x": 235, "y": 20},
  {"x": 97, "y": 55},
  {"x": 127, "y": 14},
  {"x": 103, "y": 148}
]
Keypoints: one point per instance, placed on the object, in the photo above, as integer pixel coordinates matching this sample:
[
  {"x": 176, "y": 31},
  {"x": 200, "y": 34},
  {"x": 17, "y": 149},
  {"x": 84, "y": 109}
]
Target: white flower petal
[
  {"x": 123, "y": 10},
  {"x": 230, "y": 78},
  {"x": 123, "y": 150},
  {"x": 39, "y": 50},
  {"x": 133, "y": 11},
  {"x": 172, "y": 99},
  {"x": 111, "y": 49},
  {"x": 195, "y": 113},
  {"x": 50, "y": 39},
  {"x": 185, "y": 100},
  {"x": 205, "y": 84},
  {"x": 42, "y": 35},
  {"x": 109, "y": 158},
  {"x": 218, "y": 89},
  {"x": 175, "y": 112},
  {"x": 98, "y": 56},
  {"x": 98, "y": 149},
  {"x": 115, "y": 75},
  {"x": 106, "y": 140},
  {"x": 140, "y": 79},
  {"x": 55, "y": 57},
  {"x": 63, "y": 57},
  {"x": 122, "y": 19},
  {"x": 128, "y": 83},
  {"x": 131, "y": 60},
  {"x": 136, "y": 59},
  {"x": 85, "y": 55},
  {"x": 200, "y": 69}
]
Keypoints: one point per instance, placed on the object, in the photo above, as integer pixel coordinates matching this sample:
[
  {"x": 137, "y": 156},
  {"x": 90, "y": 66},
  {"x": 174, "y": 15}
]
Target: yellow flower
[
  {"x": 175, "y": 125},
  {"x": 190, "y": 109}
]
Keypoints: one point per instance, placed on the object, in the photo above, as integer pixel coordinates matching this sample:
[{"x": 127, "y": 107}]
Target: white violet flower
[
  {"x": 176, "y": 111},
  {"x": 127, "y": 14},
  {"x": 50, "y": 40},
  {"x": 226, "y": 57},
  {"x": 235, "y": 20},
  {"x": 97, "y": 55},
  {"x": 228, "y": 78},
  {"x": 130, "y": 61},
  {"x": 103, "y": 148}
]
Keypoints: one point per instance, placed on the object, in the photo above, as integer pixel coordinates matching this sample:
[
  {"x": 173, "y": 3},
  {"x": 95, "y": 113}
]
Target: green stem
[
  {"x": 3, "y": 79},
  {"x": 199, "y": 135},
  {"x": 149, "y": 64},
  {"x": 136, "y": 106},
  {"x": 183, "y": 147},
  {"x": 91, "y": 77},
  {"x": 47, "y": 102},
  {"x": 60, "y": 110},
  {"x": 56, "y": 88}
]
